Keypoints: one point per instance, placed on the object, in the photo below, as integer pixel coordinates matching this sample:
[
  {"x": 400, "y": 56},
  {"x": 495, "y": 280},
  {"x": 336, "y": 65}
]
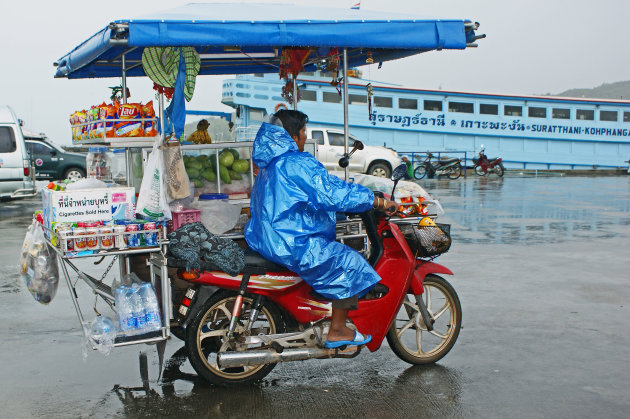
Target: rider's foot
[{"x": 343, "y": 333}]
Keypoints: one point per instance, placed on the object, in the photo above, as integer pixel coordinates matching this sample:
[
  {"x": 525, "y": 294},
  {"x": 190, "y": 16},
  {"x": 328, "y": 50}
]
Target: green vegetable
[
  {"x": 193, "y": 173},
  {"x": 225, "y": 173},
  {"x": 226, "y": 158},
  {"x": 198, "y": 183},
  {"x": 240, "y": 166},
  {"x": 234, "y": 175},
  {"x": 209, "y": 175},
  {"x": 234, "y": 153},
  {"x": 195, "y": 164},
  {"x": 206, "y": 164}
]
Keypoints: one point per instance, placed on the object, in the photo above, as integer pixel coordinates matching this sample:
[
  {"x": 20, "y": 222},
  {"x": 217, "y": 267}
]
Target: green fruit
[
  {"x": 209, "y": 175},
  {"x": 240, "y": 166},
  {"x": 192, "y": 172},
  {"x": 225, "y": 173},
  {"x": 206, "y": 164},
  {"x": 198, "y": 183},
  {"x": 234, "y": 175},
  {"x": 234, "y": 153},
  {"x": 195, "y": 164},
  {"x": 202, "y": 157},
  {"x": 226, "y": 159}
]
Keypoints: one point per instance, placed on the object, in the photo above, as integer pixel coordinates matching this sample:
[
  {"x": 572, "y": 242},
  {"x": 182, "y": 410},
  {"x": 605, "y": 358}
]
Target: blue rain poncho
[{"x": 293, "y": 216}]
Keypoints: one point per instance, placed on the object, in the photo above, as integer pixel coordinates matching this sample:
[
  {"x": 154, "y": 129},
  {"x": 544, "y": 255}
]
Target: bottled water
[
  {"x": 126, "y": 320},
  {"x": 151, "y": 307},
  {"x": 137, "y": 311}
]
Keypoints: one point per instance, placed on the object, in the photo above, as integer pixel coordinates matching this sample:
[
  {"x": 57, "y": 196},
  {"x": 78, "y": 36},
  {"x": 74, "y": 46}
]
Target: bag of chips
[
  {"x": 111, "y": 113},
  {"x": 149, "y": 126},
  {"x": 131, "y": 126}
]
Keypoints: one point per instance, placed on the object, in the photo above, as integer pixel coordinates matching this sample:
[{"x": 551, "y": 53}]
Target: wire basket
[{"x": 427, "y": 241}]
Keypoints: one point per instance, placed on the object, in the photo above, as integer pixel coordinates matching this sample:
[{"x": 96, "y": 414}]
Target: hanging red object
[{"x": 292, "y": 61}]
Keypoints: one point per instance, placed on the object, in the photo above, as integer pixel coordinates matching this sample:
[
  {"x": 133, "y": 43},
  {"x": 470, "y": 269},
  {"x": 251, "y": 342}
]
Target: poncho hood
[{"x": 271, "y": 142}]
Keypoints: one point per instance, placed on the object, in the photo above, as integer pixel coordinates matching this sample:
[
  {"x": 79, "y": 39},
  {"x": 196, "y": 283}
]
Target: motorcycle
[
  {"x": 484, "y": 165},
  {"x": 236, "y": 329},
  {"x": 450, "y": 167}
]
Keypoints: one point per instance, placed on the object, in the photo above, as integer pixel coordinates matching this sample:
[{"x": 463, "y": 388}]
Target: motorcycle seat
[
  {"x": 449, "y": 161},
  {"x": 492, "y": 160},
  {"x": 254, "y": 259}
]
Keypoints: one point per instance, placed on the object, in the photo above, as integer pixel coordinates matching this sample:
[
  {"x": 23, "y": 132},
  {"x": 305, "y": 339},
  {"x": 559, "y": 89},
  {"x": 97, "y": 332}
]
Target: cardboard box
[{"x": 116, "y": 203}]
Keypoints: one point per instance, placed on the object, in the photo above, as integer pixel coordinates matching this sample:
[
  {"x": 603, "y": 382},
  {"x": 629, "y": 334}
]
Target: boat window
[
  {"x": 241, "y": 94},
  {"x": 383, "y": 102},
  {"x": 277, "y": 98},
  {"x": 608, "y": 116},
  {"x": 534, "y": 112},
  {"x": 257, "y": 114},
  {"x": 626, "y": 117},
  {"x": 262, "y": 97},
  {"x": 512, "y": 110},
  {"x": 309, "y": 95},
  {"x": 432, "y": 105},
  {"x": 259, "y": 87},
  {"x": 242, "y": 86},
  {"x": 335, "y": 138},
  {"x": 461, "y": 107},
  {"x": 560, "y": 113},
  {"x": 7, "y": 140},
  {"x": 357, "y": 99},
  {"x": 318, "y": 136},
  {"x": 487, "y": 109},
  {"x": 585, "y": 115},
  {"x": 332, "y": 97},
  {"x": 407, "y": 103}
]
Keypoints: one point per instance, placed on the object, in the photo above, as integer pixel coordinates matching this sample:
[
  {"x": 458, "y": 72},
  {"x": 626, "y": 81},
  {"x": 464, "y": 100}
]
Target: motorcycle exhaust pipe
[{"x": 270, "y": 356}]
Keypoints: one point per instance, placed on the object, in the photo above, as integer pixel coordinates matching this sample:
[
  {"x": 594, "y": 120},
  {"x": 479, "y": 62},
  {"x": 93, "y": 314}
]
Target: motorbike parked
[
  {"x": 484, "y": 165},
  {"x": 238, "y": 328},
  {"x": 450, "y": 167}
]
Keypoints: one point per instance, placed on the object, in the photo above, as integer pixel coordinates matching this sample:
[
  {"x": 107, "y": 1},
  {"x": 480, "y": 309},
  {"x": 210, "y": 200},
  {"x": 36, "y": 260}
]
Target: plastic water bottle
[
  {"x": 137, "y": 311},
  {"x": 151, "y": 307},
  {"x": 126, "y": 322}
]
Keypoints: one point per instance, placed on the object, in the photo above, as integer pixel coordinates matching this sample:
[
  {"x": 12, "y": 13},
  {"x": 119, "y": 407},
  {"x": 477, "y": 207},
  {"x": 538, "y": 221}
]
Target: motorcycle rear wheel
[
  {"x": 455, "y": 171},
  {"x": 206, "y": 337},
  {"x": 408, "y": 335},
  {"x": 420, "y": 172},
  {"x": 479, "y": 171}
]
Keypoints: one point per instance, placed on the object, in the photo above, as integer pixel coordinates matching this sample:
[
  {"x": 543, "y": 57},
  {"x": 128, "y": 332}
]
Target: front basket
[{"x": 427, "y": 241}]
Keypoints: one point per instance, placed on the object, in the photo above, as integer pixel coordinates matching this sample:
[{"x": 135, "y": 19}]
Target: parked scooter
[
  {"x": 484, "y": 165},
  {"x": 238, "y": 328},
  {"x": 450, "y": 167}
]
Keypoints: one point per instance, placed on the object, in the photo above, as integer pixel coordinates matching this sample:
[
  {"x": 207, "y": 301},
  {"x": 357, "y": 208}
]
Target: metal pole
[
  {"x": 295, "y": 93},
  {"x": 124, "y": 78},
  {"x": 345, "y": 106}
]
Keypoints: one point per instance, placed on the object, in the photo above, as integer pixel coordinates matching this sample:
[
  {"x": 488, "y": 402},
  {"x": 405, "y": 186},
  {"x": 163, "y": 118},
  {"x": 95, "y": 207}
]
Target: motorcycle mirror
[
  {"x": 399, "y": 172},
  {"x": 358, "y": 145},
  {"x": 344, "y": 162}
]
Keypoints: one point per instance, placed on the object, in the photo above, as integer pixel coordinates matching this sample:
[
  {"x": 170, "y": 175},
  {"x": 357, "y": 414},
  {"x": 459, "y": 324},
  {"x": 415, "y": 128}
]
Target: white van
[{"x": 16, "y": 172}]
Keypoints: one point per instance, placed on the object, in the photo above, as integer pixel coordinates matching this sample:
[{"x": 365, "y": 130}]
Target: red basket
[{"x": 182, "y": 217}]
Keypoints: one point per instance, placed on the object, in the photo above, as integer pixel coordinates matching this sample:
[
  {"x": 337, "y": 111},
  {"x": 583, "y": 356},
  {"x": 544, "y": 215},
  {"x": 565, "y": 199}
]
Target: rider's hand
[{"x": 391, "y": 208}]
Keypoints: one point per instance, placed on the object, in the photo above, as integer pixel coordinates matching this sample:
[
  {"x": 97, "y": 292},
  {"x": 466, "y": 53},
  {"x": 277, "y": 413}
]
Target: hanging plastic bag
[
  {"x": 100, "y": 334},
  {"x": 176, "y": 176},
  {"x": 152, "y": 201},
  {"x": 38, "y": 265}
]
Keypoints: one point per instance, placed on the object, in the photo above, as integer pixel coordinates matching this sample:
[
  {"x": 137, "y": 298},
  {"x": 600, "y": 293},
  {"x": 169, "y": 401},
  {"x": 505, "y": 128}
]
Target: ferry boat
[{"x": 528, "y": 132}]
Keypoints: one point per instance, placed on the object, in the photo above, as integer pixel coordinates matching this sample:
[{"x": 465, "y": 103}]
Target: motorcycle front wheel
[
  {"x": 420, "y": 172},
  {"x": 479, "y": 171},
  {"x": 498, "y": 169},
  {"x": 206, "y": 336},
  {"x": 455, "y": 171},
  {"x": 409, "y": 337}
]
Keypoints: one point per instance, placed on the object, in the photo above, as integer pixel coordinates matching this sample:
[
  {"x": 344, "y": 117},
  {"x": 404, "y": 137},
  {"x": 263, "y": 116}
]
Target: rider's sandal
[{"x": 358, "y": 339}]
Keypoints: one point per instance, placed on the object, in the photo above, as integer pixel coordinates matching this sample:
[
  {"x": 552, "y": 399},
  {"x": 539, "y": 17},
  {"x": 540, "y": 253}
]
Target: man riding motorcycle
[{"x": 293, "y": 215}]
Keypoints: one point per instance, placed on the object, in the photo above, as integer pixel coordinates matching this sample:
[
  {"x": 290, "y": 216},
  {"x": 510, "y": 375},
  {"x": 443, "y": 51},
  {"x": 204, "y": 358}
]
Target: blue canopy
[{"x": 248, "y": 38}]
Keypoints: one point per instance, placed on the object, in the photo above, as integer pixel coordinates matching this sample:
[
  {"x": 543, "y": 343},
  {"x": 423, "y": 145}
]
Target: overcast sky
[{"x": 539, "y": 46}]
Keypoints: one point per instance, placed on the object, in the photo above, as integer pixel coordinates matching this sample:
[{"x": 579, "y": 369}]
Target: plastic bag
[
  {"x": 152, "y": 200},
  {"x": 176, "y": 176},
  {"x": 217, "y": 215},
  {"x": 100, "y": 333},
  {"x": 38, "y": 265},
  {"x": 86, "y": 183}
]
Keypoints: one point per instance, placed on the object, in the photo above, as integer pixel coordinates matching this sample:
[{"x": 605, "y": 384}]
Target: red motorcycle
[
  {"x": 237, "y": 328},
  {"x": 484, "y": 165}
]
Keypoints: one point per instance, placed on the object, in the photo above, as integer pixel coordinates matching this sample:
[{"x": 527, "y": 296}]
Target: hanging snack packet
[
  {"x": 149, "y": 126},
  {"x": 99, "y": 127},
  {"x": 82, "y": 118},
  {"x": 75, "y": 130},
  {"x": 93, "y": 116},
  {"x": 111, "y": 113},
  {"x": 131, "y": 125}
]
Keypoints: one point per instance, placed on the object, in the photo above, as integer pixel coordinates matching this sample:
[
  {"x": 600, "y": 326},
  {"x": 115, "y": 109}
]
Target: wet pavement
[{"x": 541, "y": 267}]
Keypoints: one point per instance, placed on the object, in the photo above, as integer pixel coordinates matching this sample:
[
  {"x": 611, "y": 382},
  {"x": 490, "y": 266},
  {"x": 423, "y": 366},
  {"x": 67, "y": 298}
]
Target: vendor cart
[{"x": 238, "y": 39}]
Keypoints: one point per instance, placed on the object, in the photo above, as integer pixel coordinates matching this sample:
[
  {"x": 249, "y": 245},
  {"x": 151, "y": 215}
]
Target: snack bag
[
  {"x": 131, "y": 126},
  {"x": 75, "y": 130},
  {"x": 82, "y": 118},
  {"x": 99, "y": 127},
  {"x": 149, "y": 126},
  {"x": 111, "y": 113},
  {"x": 93, "y": 117}
]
